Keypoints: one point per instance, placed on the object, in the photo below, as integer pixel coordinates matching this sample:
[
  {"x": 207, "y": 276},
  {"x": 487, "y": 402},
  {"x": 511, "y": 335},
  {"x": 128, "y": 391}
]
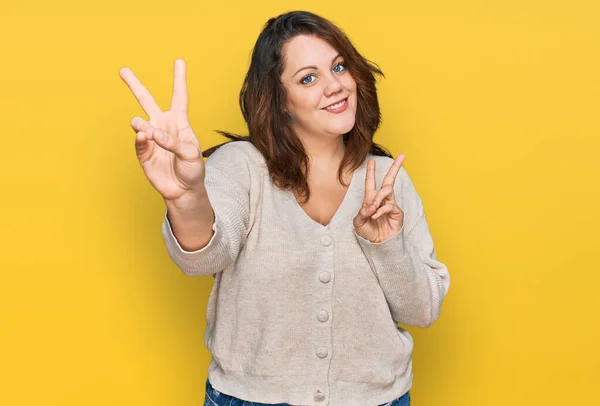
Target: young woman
[{"x": 315, "y": 235}]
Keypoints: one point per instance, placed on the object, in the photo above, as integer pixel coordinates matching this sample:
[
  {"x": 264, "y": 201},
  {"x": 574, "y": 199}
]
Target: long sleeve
[
  {"x": 227, "y": 182},
  {"x": 413, "y": 280}
]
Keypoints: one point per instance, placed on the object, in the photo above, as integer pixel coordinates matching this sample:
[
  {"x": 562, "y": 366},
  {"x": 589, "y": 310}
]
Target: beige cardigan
[{"x": 302, "y": 313}]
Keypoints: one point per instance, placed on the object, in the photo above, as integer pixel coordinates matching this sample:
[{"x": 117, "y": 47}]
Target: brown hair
[{"x": 263, "y": 99}]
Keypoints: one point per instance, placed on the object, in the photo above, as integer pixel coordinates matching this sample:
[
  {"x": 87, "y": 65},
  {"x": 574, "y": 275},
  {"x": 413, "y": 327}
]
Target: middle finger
[{"x": 180, "y": 94}]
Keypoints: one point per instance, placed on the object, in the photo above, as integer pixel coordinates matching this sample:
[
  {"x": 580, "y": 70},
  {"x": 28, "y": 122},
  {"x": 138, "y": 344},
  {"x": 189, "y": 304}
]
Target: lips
[{"x": 334, "y": 103}]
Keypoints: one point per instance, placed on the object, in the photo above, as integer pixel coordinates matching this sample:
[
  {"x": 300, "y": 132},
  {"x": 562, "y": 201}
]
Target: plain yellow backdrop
[{"x": 495, "y": 105}]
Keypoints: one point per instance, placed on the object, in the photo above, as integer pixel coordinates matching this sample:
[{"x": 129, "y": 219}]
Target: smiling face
[{"x": 321, "y": 93}]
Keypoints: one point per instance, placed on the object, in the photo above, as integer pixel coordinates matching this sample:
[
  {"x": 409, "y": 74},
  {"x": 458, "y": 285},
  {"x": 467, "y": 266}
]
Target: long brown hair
[{"x": 263, "y": 100}]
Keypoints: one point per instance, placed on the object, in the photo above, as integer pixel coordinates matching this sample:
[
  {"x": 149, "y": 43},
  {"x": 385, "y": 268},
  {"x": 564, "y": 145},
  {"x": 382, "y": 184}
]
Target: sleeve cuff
[
  {"x": 210, "y": 259},
  {"x": 175, "y": 243}
]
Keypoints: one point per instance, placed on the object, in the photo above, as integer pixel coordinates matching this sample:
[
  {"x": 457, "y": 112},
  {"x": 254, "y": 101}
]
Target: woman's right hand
[{"x": 166, "y": 145}]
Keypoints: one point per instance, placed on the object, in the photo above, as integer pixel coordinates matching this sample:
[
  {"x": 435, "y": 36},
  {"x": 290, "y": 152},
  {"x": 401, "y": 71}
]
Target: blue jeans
[{"x": 216, "y": 398}]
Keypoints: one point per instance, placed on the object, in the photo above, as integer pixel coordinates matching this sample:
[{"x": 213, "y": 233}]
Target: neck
[
  {"x": 325, "y": 154},
  {"x": 324, "y": 150}
]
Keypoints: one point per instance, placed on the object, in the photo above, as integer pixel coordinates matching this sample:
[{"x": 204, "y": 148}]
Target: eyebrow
[{"x": 314, "y": 67}]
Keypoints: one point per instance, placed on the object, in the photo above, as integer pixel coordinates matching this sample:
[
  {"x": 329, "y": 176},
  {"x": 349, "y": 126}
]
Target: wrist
[
  {"x": 188, "y": 201},
  {"x": 191, "y": 209}
]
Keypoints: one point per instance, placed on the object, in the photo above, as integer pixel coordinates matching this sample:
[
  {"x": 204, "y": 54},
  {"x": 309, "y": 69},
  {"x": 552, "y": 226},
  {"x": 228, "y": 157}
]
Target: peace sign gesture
[
  {"x": 379, "y": 217},
  {"x": 166, "y": 145}
]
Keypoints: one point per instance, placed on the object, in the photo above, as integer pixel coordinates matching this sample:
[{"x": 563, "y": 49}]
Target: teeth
[{"x": 338, "y": 105}]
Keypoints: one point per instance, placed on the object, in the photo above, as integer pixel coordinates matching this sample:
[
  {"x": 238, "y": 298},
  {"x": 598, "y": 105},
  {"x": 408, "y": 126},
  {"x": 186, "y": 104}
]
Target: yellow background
[{"x": 495, "y": 105}]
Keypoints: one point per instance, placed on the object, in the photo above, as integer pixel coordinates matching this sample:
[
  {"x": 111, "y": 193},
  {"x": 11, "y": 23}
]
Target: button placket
[{"x": 322, "y": 314}]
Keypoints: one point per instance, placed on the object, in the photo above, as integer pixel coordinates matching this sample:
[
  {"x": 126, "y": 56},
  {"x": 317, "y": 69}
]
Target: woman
[{"x": 314, "y": 264}]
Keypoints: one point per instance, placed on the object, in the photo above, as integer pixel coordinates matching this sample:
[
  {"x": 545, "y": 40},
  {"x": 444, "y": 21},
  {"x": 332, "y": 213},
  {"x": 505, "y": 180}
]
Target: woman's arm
[
  {"x": 413, "y": 280},
  {"x": 191, "y": 222},
  {"x": 206, "y": 235}
]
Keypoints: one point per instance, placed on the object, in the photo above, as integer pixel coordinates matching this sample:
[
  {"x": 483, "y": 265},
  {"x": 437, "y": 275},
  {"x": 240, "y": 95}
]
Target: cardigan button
[
  {"x": 321, "y": 352},
  {"x": 322, "y": 316},
  {"x": 325, "y": 277},
  {"x": 326, "y": 240}
]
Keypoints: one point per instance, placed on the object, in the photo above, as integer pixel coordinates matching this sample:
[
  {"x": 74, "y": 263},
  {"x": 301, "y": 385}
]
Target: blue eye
[
  {"x": 307, "y": 80},
  {"x": 304, "y": 81},
  {"x": 342, "y": 65}
]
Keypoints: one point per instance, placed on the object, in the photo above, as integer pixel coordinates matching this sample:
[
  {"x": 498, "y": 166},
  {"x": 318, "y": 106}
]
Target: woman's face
[{"x": 321, "y": 93}]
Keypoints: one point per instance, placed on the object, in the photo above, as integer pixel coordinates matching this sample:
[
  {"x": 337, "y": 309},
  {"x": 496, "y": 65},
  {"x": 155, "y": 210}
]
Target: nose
[{"x": 332, "y": 86}]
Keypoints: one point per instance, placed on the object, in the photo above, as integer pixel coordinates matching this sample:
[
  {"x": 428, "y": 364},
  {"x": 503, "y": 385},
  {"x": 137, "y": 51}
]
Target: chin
[{"x": 342, "y": 127}]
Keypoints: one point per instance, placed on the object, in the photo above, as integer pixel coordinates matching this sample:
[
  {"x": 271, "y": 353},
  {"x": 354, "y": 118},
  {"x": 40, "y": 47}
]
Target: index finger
[
  {"x": 180, "y": 94},
  {"x": 390, "y": 177},
  {"x": 370, "y": 178},
  {"x": 142, "y": 94}
]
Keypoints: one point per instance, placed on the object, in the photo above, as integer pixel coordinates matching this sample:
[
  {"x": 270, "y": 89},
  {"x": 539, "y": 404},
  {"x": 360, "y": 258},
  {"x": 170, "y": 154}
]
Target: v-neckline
[{"x": 340, "y": 208}]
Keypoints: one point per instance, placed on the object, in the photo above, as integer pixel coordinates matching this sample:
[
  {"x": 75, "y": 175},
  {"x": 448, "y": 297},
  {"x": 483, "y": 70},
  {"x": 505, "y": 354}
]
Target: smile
[{"x": 336, "y": 105}]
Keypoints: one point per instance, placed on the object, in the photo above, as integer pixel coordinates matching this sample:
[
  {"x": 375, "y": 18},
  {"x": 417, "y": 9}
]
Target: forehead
[{"x": 304, "y": 50}]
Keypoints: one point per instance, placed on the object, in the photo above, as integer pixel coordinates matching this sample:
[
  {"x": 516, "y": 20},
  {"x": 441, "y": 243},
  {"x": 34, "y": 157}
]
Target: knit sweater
[{"x": 303, "y": 313}]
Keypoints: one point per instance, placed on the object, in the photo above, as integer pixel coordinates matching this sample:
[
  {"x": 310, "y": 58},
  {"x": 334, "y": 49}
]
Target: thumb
[{"x": 364, "y": 214}]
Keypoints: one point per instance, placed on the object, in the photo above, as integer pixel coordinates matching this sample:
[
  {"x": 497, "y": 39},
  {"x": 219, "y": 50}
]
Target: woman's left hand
[{"x": 380, "y": 217}]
